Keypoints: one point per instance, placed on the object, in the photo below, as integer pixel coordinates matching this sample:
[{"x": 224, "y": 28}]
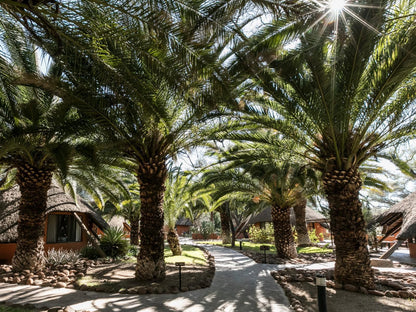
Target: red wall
[{"x": 7, "y": 250}]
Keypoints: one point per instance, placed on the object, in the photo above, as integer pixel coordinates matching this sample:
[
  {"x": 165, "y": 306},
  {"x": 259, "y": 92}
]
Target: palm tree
[
  {"x": 37, "y": 138},
  {"x": 142, "y": 89},
  {"x": 177, "y": 196},
  {"x": 277, "y": 182},
  {"x": 346, "y": 88}
]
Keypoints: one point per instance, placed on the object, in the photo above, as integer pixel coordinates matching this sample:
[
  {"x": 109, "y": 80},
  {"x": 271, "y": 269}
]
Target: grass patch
[
  {"x": 255, "y": 247},
  {"x": 7, "y": 308},
  {"x": 313, "y": 249},
  {"x": 190, "y": 255}
]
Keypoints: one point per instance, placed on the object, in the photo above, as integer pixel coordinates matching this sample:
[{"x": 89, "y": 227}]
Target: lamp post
[
  {"x": 321, "y": 286},
  {"x": 265, "y": 248},
  {"x": 180, "y": 265}
]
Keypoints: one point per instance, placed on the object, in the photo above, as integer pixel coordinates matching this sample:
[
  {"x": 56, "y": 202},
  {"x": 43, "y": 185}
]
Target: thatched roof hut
[
  {"x": 58, "y": 201},
  {"x": 401, "y": 217},
  {"x": 310, "y": 216}
]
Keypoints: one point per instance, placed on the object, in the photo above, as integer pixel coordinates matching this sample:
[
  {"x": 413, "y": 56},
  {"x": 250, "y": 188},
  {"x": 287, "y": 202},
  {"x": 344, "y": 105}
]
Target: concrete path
[{"x": 239, "y": 285}]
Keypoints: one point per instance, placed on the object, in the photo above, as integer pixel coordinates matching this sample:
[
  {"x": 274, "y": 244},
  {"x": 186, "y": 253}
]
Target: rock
[
  {"x": 338, "y": 286},
  {"x": 79, "y": 275},
  {"x": 174, "y": 290},
  {"x": 16, "y": 280},
  {"x": 404, "y": 294},
  {"x": 66, "y": 272},
  {"x": 29, "y": 281},
  {"x": 375, "y": 292},
  {"x": 363, "y": 290},
  {"x": 41, "y": 275},
  {"x": 26, "y": 272},
  {"x": 83, "y": 287},
  {"x": 350, "y": 287},
  {"x": 184, "y": 289},
  {"x": 122, "y": 290},
  {"x": 141, "y": 290},
  {"x": 55, "y": 309},
  {"x": 63, "y": 279},
  {"x": 37, "y": 282},
  {"x": 60, "y": 285},
  {"x": 69, "y": 309},
  {"x": 330, "y": 284}
]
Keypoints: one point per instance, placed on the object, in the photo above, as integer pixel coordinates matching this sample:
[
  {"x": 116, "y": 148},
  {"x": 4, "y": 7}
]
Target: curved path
[{"x": 239, "y": 284}]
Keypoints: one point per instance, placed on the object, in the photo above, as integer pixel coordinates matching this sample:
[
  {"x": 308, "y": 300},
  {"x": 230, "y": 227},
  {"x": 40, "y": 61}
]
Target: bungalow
[
  {"x": 62, "y": 230},
  {"x": 314, "y": 221},
  {"x": 399, "y": 225}
]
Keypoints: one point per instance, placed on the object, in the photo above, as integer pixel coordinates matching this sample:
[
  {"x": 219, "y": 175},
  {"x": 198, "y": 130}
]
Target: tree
[
  {"x": 345, "y": 88},
  {"x": 40, "y": 135},
  {"x": 176, "y": 198}
]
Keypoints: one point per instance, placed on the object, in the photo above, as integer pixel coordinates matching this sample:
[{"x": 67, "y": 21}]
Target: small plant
[
  {"x": 113, "y": 243},
  {"x": 313, "y": 237},
  {"x": 61, "y": 256},
  {"x": 89, "y": 252},
  {"x": 132, "y": 251},
  {"x": 259, "y": 235}
]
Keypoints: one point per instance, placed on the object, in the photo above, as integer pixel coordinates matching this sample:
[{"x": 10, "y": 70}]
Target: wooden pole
[{"x": 94, "y": 241}]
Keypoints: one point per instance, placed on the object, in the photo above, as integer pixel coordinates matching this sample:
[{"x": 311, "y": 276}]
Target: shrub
[
  {"x": 313, "y": 237},
  {"x": 89, "y": 252},
  {"x": 132, "y": 251},
  {"x": 61, "y": 256},
  {"x": 259, "y": 235},
  {"x": 113, "y": 243}
]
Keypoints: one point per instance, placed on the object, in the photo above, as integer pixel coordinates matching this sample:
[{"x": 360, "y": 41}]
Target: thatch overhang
[
  {"x": 183, "y": 222},
  {"x": 58, "y": 201},
  {"x": 310, "y": 216},
  {"x": 400, "y": 218}
]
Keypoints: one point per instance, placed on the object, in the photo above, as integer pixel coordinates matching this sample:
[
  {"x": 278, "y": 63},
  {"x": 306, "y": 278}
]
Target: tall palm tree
[
  {"x": 177, "y": 196},
  {"x": 146, "y": 91},
  {"x": 37, "y": 138},
  {"x": 346, "y": 89}
]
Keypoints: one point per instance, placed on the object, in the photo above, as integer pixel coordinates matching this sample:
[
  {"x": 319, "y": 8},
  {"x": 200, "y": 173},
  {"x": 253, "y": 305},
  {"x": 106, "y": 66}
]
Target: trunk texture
[
  {"x": 150, "y": 260},
  {"x": 300, "y": 223},
  {"x": 283, "y": 236},
  {"x": 173, "y": 240},
  {"x": 352, "y": 264},
  {"x": 225, "y": 225},
  {"x": 34, "y": 184},
  {"x": 134, "y": 231}
]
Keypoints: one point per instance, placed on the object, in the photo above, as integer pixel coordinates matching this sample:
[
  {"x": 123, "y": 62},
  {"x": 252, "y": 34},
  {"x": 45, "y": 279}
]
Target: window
[{"x": 63, "y": 228}]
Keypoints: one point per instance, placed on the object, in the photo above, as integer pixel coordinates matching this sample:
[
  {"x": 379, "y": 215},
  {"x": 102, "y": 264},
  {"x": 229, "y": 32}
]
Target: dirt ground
[
  {"x": 345, "y": 301},
  {"x": 119, "y": 277}
]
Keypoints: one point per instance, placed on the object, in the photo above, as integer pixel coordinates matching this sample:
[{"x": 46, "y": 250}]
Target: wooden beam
[
  {"x": 94, "y": 241},
  {"x": 393, "y": 248}
]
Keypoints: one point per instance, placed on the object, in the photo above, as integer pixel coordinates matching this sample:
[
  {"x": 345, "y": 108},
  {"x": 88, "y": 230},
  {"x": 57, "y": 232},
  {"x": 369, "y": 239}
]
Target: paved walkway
[{"x": 239, "y": 284}]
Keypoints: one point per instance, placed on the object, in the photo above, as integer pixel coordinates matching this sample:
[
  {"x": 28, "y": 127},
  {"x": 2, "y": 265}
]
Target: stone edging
[{"x": 400, "y": 285}]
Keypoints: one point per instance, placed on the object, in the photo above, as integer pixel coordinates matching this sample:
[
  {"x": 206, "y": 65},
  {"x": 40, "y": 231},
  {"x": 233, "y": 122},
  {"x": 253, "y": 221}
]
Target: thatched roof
[
  {"x": 401, "y": 217},
  {"x": 310, "y": 216},
  {"x": 58, "y": 200},
  {"x": 183, "y": 222}
]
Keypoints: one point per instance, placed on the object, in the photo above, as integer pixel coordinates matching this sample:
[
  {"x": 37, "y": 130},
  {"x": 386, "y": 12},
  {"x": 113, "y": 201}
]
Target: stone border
[
  {"x": 389, "y": 284},
  {"x": 65, "y": 276}
]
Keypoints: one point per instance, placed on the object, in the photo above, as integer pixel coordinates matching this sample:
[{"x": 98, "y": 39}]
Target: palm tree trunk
[
  {"x": 225, "y": 224},
  {"x": 173, "y": 240},
  {"x": 300, "y": 223},
  {"x": 150, "y": 260},
  {"x": 352, "y": 264},
  {"x": 134, "y": 231},
  {"x": 34, "y": 184},
  {"x": 283, "y": 236}
]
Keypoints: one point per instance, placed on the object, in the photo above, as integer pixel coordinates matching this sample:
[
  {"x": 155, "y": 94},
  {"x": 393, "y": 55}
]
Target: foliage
[
  {"x": 132, "y": 251},
  {"x": 313, "y": 249},
  {"x": 89, "y": 252},
  {"x": 113, "y": 243},
  {"x": 314, "y": 238},
  {"x": 14, "y": 308},
  {"x": 206, "y": 228},
  {"x": 261, "y": 235},
  {"x": 61, "y": 256}
]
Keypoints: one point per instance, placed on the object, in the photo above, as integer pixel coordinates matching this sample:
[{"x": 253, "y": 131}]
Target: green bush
[
  {"x": 61, "y": 256},
  {"x": 132, "y": 251},
  {"x": 89, "y": 252},
  {"x": 263, "y": 236},
  {"x": 113, "y": 243},
  {"x": 313, "y": 237}
]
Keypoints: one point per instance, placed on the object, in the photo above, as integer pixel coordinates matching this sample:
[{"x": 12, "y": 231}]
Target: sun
[{"x": 336, "y": 6}]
